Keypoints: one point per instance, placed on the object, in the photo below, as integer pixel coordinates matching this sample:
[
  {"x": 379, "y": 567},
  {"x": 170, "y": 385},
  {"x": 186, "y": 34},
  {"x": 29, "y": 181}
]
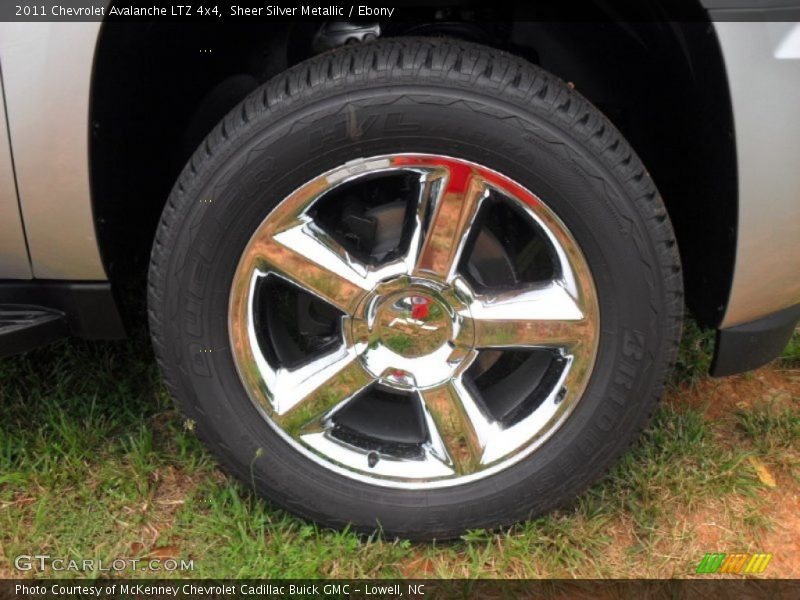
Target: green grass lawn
[{"x": 96, "y": 463}]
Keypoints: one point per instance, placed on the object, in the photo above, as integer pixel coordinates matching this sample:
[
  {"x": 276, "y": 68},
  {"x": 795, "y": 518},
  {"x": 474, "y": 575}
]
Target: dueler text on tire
[{"x": 418, "y": 285}]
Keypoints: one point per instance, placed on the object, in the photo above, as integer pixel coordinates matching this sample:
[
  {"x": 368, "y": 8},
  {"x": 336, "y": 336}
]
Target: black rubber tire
[{"x": 435, "y": 96}]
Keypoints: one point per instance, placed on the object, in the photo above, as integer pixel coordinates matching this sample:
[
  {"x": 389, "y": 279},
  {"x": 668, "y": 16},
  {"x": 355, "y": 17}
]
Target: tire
[{"x": 418, "y": 97}]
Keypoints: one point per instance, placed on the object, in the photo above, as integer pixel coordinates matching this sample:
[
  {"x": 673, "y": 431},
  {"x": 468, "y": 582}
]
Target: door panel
[
  {"x": 47, "y": 70},
  {"x": 14, "y": 262}
]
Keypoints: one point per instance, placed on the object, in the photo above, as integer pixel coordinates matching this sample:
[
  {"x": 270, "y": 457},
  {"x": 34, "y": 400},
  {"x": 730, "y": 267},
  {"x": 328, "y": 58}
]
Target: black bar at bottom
[{"x": 652, "y": 589}]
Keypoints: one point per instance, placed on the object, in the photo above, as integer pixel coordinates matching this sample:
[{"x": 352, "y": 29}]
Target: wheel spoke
[
  {"x": 431, "y": 182},
  {"x": 534, "y": 317},
  {"x": 305, "y": 396},
  {"x": 454, "y": 201},
  {"x": 312, "y": 260},
  {"x": 457, "y": 427}
]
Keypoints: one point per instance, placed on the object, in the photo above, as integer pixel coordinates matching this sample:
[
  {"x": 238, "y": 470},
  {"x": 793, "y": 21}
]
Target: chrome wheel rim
[{"x": 414, "y": 324}]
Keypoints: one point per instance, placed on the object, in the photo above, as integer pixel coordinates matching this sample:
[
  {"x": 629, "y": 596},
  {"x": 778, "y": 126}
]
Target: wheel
[{"x": 416, "y": 285}]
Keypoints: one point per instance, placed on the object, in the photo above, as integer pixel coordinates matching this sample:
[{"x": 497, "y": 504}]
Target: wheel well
[{"x": 159, "y": 88}]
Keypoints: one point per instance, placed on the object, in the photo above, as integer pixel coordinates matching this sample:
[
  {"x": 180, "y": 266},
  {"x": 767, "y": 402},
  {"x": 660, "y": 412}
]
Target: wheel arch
[{"x": 157, "y": 93}]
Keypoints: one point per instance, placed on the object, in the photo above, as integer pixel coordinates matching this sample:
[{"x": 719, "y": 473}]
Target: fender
[{"x": 47, "y": 72}]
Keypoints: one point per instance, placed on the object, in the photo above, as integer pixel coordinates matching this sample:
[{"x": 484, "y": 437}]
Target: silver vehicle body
[
  {"x": 14, "y": 261},
  {"x": 763, "y": 65},
  {"x": 47, "y": 76},
  {"x": 47, "y": 73}
]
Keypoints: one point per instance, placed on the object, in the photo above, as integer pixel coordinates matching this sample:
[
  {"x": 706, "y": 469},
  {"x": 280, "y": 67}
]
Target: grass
[
  {"x": 95, "y": 463},
  {"x": 694, "y": 354},
  {"x": 791, "y": 354},
  {"x": 771, "y": 429}
]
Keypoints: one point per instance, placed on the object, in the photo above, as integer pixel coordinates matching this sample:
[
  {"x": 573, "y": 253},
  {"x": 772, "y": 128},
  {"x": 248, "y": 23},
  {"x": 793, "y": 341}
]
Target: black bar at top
[{"x": 404, "y": 10}]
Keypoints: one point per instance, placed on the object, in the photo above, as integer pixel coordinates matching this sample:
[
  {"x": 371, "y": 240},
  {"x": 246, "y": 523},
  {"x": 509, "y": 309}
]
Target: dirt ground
[{"x": 720, "y": 399}]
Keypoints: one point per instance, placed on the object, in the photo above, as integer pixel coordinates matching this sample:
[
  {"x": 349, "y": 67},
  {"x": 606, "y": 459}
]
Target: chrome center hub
[
  {"x": 413, "y": 324},
  {"x": 412, "y": 333}
]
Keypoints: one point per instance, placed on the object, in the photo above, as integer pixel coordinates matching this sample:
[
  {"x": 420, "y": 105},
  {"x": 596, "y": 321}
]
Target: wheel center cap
[
  {"x": 412, "y": 333},
  {"x": 413, "y": 324}
]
